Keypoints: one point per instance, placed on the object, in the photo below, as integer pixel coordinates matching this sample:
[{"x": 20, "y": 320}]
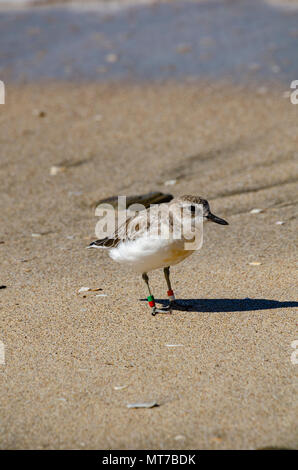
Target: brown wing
[{"x": 128, "y": 231}]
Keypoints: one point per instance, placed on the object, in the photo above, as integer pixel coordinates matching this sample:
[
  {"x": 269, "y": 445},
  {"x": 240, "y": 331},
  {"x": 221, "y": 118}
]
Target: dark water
[{"x": 242, "y": 40}]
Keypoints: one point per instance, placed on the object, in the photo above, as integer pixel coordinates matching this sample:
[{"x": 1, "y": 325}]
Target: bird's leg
[
  {"x": 170, "y": 291},
  {"x": 150, "y": 298}
]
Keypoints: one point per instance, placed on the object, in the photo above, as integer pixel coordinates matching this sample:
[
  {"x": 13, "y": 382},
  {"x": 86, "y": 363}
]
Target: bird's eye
[{"x": 192, "y": 209}]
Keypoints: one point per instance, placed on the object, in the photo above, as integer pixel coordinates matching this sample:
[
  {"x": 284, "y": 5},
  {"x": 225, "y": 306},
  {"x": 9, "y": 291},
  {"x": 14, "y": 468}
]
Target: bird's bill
[{"x": 216, "y": 219}]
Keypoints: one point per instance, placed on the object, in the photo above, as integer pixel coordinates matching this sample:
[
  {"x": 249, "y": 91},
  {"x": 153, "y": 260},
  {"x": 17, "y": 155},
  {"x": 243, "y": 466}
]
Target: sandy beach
[
  {"x": 103, "y": 100},
  {"x": 231, "y": 382}
]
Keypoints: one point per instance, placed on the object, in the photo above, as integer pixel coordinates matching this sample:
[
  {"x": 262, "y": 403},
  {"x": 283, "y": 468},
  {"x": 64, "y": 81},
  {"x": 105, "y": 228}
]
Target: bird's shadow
[{"x": 226, "y": 305}]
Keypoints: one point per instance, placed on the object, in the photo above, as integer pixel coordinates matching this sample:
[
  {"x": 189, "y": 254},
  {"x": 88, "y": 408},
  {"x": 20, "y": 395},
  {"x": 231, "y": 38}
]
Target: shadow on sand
[{"x": 226, "y": 305}]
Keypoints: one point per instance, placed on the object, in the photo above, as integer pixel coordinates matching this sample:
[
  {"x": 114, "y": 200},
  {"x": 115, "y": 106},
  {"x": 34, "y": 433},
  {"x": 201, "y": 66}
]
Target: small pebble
[
  {"x": 279, "y": 222},
  {"x": 180, "y": 437},
  {"x": 75, "y": 193},
  {"x": 254, "y": 263},
  {"x": 170, "y": 182},
  {"x": 183, "y": 48},
  {"x": 35, "y": 235},
  {"x": 39, "y": 113},
  {"x": 111, "y": 58}
]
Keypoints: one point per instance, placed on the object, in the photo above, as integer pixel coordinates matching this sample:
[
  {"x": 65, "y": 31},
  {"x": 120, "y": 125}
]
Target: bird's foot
[{"x": 156, "y": 310}]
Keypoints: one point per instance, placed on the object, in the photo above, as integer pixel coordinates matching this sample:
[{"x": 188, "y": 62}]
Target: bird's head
[{"x": 196, "y": 205}]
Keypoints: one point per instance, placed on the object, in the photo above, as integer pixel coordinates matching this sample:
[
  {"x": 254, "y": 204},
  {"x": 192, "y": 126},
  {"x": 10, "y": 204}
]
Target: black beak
[{"x": 217, "y": 220}]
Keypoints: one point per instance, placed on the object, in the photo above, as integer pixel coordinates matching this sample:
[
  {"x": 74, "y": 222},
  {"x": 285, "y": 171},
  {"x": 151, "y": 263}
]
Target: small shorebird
[{"x": 146, "y": 242}]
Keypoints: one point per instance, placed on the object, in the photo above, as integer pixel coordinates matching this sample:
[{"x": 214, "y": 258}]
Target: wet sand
[
  {"x": 241, "y": 41},
  {"x": 231, "y": 384}
]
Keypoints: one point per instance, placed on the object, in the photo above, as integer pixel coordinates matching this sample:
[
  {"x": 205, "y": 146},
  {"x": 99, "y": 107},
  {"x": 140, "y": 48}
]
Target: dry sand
[{"x": 231, "y": 384}]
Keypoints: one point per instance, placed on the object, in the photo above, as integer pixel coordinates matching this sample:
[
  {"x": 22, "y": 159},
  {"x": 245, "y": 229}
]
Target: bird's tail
[{"x": 103, "y": 243}]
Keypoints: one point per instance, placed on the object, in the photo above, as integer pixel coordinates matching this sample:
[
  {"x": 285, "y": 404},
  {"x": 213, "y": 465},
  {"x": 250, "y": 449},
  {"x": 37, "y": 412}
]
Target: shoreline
[
  {"x": 118, "y": 5},
  {"x": 129, "y": 44}
]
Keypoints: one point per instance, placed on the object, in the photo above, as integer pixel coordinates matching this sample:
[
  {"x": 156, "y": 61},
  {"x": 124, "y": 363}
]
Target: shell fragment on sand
[
  {"x": 256, "y": 211},
  {"x": 255, "y": 263},
  {"x": 88, "y": 289},
  {"x": 120, "y": 387},
  {"x": 41, "y": 234},
  {"x": 279, "y": 222},
  {"x": 55, "y": 169},
  {"x": 150, "y": 404},
  {"x": 65, "y": 164},
  {"x": 84, "y": 289}
]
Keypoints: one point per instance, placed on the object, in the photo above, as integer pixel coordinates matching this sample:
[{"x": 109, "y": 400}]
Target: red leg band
[{"x": 171, "y": 294}]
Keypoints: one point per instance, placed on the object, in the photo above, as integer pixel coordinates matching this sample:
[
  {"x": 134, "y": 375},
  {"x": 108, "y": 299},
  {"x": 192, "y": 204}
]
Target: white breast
[{"x": 145, "y": 254}]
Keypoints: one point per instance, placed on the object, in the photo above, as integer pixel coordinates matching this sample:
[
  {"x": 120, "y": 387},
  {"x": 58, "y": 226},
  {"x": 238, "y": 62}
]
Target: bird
[{"x": 159, "y": 237}]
